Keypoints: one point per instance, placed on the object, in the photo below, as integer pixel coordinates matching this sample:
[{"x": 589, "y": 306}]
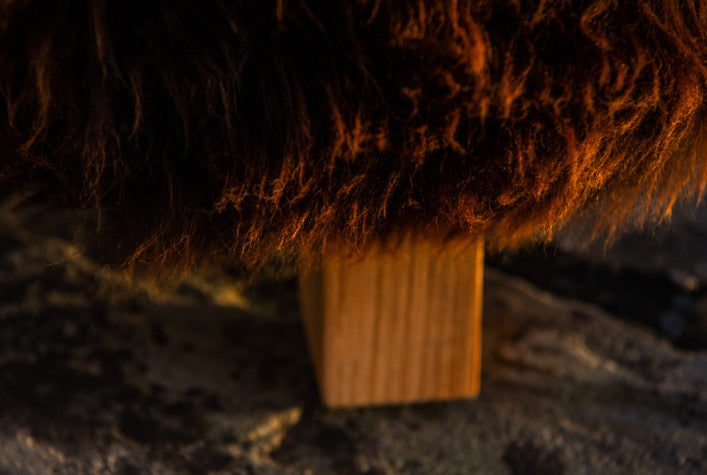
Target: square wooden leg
[{"x": 396, "y": 326}]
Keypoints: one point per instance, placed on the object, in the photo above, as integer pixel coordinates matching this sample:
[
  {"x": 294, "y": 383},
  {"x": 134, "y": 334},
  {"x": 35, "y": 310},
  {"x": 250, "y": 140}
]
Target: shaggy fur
[{"x": 200, "y": 130}]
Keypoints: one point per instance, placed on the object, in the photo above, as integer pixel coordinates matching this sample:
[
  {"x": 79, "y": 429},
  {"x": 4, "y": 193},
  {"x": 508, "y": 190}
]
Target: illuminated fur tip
[{"x": 244, "y": 130}]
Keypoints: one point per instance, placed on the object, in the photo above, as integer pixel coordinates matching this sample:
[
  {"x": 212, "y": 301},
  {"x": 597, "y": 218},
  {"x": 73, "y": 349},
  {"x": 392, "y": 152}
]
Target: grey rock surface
[{"x": 99, "y": 375}]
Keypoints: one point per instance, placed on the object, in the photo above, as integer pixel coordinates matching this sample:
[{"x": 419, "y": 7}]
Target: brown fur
[{"x": 201, "y": 130}]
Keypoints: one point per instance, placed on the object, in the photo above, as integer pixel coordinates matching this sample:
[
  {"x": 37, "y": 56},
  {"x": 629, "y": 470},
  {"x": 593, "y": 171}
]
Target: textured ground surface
[{"x": 589, "y": 367}]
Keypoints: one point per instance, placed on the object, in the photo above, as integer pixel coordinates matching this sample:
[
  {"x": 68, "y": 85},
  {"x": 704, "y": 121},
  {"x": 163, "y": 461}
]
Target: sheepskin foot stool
[{"x": 396, "y": 326}]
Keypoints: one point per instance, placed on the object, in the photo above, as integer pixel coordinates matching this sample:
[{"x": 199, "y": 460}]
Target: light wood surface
[{"x": 396, "y": 326}]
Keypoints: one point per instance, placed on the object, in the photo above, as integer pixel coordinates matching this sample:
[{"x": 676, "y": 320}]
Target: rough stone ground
[{"x": 590, "y": 366}]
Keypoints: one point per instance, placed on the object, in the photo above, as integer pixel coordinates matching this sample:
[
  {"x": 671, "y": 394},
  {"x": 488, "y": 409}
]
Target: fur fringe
[{"x": 234, "y": 129}]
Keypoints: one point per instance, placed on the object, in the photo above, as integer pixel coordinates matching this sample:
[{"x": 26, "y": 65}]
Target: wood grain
[{"x": 396, "y": 326}]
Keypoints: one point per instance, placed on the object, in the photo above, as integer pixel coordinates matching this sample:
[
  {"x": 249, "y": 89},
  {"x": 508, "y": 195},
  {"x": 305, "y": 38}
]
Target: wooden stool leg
[{"x": 398, "y": 326}]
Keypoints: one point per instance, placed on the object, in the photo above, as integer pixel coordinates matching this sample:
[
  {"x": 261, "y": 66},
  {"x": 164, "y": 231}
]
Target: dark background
[{"x": 594, "y": 360}]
